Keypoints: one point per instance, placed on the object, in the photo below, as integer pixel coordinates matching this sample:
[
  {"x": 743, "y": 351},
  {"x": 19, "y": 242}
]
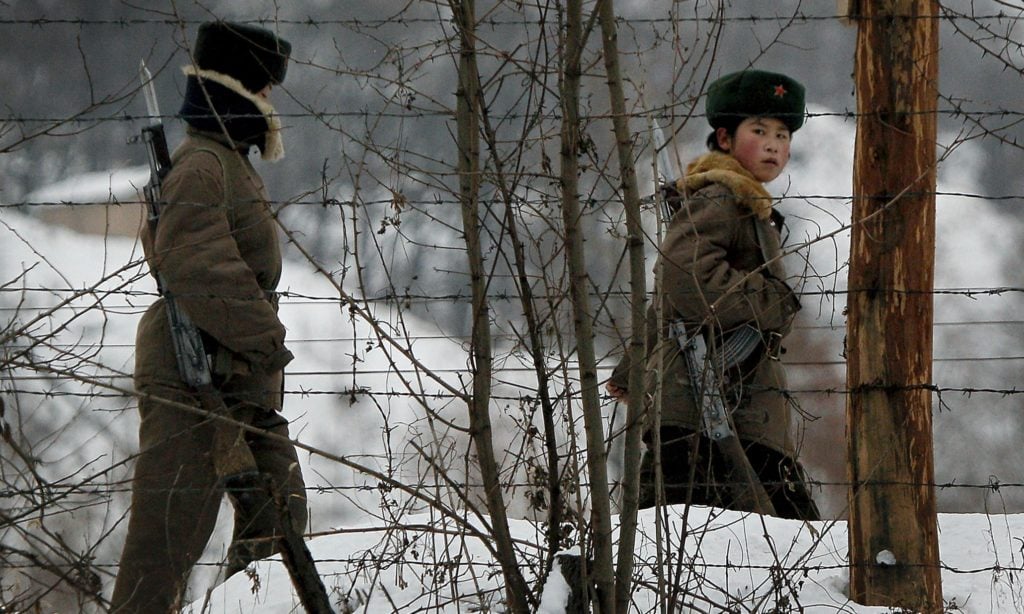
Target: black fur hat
[
  {"x": 755, "y": 93},
  {"x": 254, "y": 56}
]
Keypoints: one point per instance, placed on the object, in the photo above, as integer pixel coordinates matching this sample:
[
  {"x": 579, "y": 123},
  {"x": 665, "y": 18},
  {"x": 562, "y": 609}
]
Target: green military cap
[{"x": 755, "y": 93}]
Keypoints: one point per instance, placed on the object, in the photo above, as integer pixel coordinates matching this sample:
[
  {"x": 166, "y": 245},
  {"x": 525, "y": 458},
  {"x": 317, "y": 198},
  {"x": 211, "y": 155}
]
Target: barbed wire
[
  {"x": 946, "y": 15},
  {"x": 458, "y": 297},
  {"x": 414, "y": 204},
  {"x": 365, "y": 114},
  {"x": 369, "y": 392},
  {"x": 508, "y": 335},
  {"x": 411, "y": 561},
  {"x": 95, "y": 388},
  {"x": 993, "y": 485}
]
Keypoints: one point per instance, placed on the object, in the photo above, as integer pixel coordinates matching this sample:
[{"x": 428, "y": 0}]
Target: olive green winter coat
[
  {"x": 719, "y": 268},
  {"x": 216, "y": 248}
]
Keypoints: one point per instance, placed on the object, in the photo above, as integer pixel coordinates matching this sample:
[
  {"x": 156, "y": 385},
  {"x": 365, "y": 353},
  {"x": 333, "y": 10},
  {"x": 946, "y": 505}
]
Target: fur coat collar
[
  {"x": 270, "y": 145},
  {"x": 718, "y": 167}
]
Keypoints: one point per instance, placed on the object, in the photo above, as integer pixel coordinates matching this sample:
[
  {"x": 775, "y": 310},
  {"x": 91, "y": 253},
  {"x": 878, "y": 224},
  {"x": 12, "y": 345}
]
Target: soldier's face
[{"x": 760, "y": 144}]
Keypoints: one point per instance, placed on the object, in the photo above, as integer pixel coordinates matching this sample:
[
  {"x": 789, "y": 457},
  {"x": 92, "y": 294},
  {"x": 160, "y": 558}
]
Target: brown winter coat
[
  {"x": 216, "y": 247},
  {"x": 713, "y": 271},
  {"x": 217, "y": 251}
]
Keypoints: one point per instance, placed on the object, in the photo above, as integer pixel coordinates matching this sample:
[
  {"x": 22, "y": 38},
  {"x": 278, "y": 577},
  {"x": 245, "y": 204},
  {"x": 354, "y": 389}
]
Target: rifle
[
  {"x": 232, "y": 459},
  {"x": 705, "y": 370}
]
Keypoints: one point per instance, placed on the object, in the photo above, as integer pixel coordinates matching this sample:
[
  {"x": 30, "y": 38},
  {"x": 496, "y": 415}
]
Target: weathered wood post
[{"x": 894, "y": 552}]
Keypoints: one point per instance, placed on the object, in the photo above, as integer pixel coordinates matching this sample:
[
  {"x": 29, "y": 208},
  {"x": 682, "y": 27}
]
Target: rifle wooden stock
[
  {"x": 748, "y": 492},
  {"x": 704, "y": 371},
  {"x": 299, "y": 560},
  {"x": 231, "y": 454}
]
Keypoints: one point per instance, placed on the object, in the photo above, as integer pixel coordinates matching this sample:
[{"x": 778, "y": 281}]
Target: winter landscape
[{"x": 375, "y": 300}]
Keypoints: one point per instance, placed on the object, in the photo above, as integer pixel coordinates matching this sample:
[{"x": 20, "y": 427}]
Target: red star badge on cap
[{"x": 780, "y": 91}]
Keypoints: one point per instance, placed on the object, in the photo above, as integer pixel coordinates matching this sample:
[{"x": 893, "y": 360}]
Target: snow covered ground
[
  {"x": 729, "y": 559},
  {"x": 78, "y": 299}
]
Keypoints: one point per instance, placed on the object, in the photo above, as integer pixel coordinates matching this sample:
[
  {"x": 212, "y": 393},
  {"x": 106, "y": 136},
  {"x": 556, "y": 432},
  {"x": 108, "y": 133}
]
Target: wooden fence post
[{"x": 894, "y": 552}]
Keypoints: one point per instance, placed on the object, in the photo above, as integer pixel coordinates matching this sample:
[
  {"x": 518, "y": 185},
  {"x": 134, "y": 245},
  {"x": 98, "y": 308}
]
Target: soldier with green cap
[
  {"x": 217, "y": 251},
  {"x": 720, "y": 271}
]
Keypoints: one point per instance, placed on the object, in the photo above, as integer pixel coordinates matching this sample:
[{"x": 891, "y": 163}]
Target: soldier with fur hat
[
  {"x": 720, "y": 270},
  {"x": 216, "y": 248}
]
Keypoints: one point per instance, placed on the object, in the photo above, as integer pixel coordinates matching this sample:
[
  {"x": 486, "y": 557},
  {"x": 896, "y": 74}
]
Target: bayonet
[{"x": 154, "y": 137}]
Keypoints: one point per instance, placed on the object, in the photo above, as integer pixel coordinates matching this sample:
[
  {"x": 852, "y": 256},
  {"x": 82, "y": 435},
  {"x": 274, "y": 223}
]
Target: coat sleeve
[
  {"x": 201, "y": 266},
  {"x": 620, "y": 374},
  {"x": 699, "y": 269}
]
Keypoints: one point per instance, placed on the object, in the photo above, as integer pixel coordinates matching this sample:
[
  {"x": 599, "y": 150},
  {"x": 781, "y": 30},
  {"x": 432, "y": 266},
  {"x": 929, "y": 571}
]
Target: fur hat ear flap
[
  {"x": 273, "y": 146},
  {"x": 247, "y": 117},
  {"x": 254, "y": 56}
]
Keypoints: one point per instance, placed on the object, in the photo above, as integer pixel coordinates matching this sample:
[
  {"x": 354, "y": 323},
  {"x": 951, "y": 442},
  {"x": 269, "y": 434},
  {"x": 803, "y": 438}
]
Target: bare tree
[{"x": 467, "y": 241}]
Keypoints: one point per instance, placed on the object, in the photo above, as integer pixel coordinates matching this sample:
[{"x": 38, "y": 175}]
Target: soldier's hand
[
  {"x": 616, "y": 392},
  {"x": 672, "y": 195},
  {"x": 671, "y": 192}
]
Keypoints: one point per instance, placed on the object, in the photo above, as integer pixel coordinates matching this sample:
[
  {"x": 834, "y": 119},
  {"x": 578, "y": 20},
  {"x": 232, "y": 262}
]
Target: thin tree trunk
[
  {"x": 597, "y": 461},
  {"x": 894, "y": 551},
  {"x": 535, "y": 345},
  {"x": 638, "y": 294},
  {"x": 467, "y": 119}
]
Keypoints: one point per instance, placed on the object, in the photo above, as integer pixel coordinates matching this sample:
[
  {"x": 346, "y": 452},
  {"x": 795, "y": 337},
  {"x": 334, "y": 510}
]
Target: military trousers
[
  {"x": 695, "y": 471},
  {"x": 176, "y": 497}
]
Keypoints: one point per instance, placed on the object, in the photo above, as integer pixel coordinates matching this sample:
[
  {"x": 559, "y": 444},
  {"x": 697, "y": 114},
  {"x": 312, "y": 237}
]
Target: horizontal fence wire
[{"x": 381, "y": 425}]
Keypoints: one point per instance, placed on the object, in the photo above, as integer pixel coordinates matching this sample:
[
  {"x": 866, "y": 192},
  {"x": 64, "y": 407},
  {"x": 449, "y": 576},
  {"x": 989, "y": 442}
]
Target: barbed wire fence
[{"x": 379, "y": 301}]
